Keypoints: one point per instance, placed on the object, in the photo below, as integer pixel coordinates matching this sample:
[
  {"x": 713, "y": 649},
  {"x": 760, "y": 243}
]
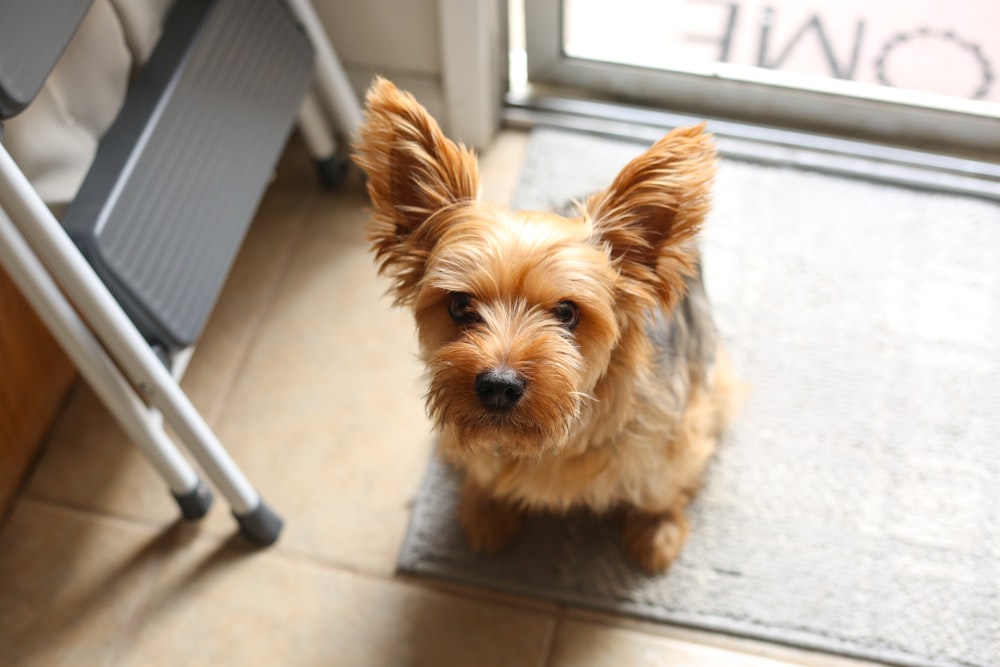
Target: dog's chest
[{"x": 635, "y": 469}]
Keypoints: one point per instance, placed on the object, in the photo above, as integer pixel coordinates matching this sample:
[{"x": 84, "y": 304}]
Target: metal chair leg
[
  {"x": 331, "y": 163},
  {"x": 331, "y": 79},
  {"x": 139, "y": 424},
  {"x": 128, "y": 348}
]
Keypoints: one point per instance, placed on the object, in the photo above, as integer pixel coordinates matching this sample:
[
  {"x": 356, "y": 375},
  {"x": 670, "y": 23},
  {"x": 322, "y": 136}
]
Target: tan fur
[{"x": 615, "y": 413}]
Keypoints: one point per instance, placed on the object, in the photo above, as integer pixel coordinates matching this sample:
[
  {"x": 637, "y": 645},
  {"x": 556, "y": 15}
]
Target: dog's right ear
[
  {"x": 414, "y": 172},
  {"x": 650, "y": 215}
]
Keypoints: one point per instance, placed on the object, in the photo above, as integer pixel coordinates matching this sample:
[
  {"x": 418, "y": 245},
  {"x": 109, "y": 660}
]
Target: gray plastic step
[
  {"x": 179, "y": 175},
  {"x": 33, "y": 34}
]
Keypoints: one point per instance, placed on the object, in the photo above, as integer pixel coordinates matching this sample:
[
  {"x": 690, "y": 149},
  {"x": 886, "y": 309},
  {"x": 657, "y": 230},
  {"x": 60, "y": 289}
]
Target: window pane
[{"x": 947, "y": 47}]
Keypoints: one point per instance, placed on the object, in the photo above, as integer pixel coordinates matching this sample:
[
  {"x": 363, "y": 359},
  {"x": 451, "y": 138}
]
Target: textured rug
[{"x": 854, "y": 507}]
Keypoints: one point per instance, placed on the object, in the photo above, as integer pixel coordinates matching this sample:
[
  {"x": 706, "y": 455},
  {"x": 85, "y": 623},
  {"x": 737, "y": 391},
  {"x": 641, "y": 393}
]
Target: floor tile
[
  {"x": 583, "y": 644},
  {"x": 341, "y": 214},
  {"x": 729, "y": 644},
  {"x": 327, "y": 417},
  {"x": 70, "y": 586},
  {"x": 485, "y": 595},
  {"x": 500, "y": 165},
  {"x": 87, "y": 462},
  {"x": 218, "y": 603}
]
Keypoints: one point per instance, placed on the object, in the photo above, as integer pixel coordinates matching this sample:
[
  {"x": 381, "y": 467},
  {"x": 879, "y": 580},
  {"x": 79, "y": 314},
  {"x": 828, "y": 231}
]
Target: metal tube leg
[
  {"x": 113, "y": 327},
  {"x": 331, "y": 164},
  {"x": 100, "y": 372},
  {"x": 315, "y": 130},
  {"x": 334, "y": 86}
]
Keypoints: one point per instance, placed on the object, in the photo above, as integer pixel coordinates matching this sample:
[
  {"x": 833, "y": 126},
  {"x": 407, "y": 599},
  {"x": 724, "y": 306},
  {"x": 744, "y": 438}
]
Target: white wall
[{"x": 403, "y": 40}]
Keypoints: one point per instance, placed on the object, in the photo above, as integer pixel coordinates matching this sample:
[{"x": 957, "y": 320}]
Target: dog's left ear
[
  {"x": 650, "y": 215},
  {"x": 413, "y": 171}
]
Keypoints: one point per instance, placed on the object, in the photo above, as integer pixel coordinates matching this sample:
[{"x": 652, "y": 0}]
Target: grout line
[
  {"x": 148, "y": 575},
  {"x": 289, "y": 554},
  {"x": 282, "y": 553},
  {"x": 100, "y": 515},
  {"x": 480, "y": 594},
  {"x": 292, "y": 555},
  {"x": 135, "y": 619},
  {"x": 329, "y": 563},
  {"x": 22, "y": 488},
  {"x": 550, "y": 650},
  {"x": 89, "y": 512}
]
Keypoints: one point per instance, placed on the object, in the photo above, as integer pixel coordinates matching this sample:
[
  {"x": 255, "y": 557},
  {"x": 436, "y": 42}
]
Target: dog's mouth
[
  {"x": 507, "y": 438},
  {"x": 522, "y": 431}
]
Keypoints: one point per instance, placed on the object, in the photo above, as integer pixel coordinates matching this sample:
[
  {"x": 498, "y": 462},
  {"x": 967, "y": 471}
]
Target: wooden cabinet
[{"x": 34, "y": 377}]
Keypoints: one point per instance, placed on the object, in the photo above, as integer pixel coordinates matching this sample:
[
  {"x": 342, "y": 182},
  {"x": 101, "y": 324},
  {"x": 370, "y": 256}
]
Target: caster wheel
[{"x": 333, "y": 170}]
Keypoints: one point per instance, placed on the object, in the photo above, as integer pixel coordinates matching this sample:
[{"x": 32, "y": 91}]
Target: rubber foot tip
[
  {"x": 260, "y": 526},
  {"x": 194, "y": 504}
]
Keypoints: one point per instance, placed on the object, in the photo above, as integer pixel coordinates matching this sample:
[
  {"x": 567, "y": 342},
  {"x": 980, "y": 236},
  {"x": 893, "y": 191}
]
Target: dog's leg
[
  {"x": 653, "y": 540},
  {"x": 489, "y": 524},
  {"x": 654, "y": 536}
]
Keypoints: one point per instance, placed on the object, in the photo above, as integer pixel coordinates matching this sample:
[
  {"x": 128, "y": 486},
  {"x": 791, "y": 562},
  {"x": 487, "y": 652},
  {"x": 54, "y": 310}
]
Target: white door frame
[{"x": 473, "y": 63}]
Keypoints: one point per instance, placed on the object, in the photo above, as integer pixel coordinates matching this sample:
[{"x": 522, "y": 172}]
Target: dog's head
[{"x": 520, "y": 314}]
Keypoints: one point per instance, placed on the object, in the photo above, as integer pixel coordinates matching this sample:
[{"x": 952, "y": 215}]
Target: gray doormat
[{"x": 854, "y": 507}]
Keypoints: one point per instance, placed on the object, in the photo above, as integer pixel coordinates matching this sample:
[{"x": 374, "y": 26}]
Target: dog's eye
[
  {"x": 568, "y": 314},
  {"x": 461, "y": 310}
]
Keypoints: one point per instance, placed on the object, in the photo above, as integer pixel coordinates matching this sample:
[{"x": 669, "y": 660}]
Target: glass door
[{"x": 922, "y": 72}]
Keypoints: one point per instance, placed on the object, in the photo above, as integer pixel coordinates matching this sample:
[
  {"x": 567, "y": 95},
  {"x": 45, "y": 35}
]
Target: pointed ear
[
  {"x": 650, "y": 215},
  {"x": 413, "y": 171}
]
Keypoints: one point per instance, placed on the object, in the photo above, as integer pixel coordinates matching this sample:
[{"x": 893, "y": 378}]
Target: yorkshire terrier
[{"x": 571, "y": 361}]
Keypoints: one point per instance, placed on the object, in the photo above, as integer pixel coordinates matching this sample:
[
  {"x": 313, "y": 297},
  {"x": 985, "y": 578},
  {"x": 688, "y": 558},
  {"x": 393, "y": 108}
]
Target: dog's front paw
[
  {"x": 489, "y": 524},
  {"x": 654, "y": 540}
]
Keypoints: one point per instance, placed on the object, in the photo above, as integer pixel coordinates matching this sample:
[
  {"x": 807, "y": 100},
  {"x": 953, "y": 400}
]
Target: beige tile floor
[{"x": 310, "y": 379}]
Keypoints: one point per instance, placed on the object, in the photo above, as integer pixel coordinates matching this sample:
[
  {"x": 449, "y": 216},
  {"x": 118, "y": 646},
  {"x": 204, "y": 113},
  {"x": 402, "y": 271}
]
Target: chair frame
[{"x": 112, "y": 355}]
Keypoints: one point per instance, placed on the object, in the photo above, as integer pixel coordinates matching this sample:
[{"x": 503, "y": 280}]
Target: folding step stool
[{"x": 164, "y": 207}]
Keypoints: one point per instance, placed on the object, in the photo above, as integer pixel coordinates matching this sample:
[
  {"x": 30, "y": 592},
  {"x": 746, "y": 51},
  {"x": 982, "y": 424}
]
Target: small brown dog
[{"x": 571, "y": 361}]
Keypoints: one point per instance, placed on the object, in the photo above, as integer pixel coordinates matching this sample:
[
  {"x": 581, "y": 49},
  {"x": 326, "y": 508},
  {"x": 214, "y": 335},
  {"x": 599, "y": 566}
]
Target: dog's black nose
[{"x": 500, "y": 388}]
